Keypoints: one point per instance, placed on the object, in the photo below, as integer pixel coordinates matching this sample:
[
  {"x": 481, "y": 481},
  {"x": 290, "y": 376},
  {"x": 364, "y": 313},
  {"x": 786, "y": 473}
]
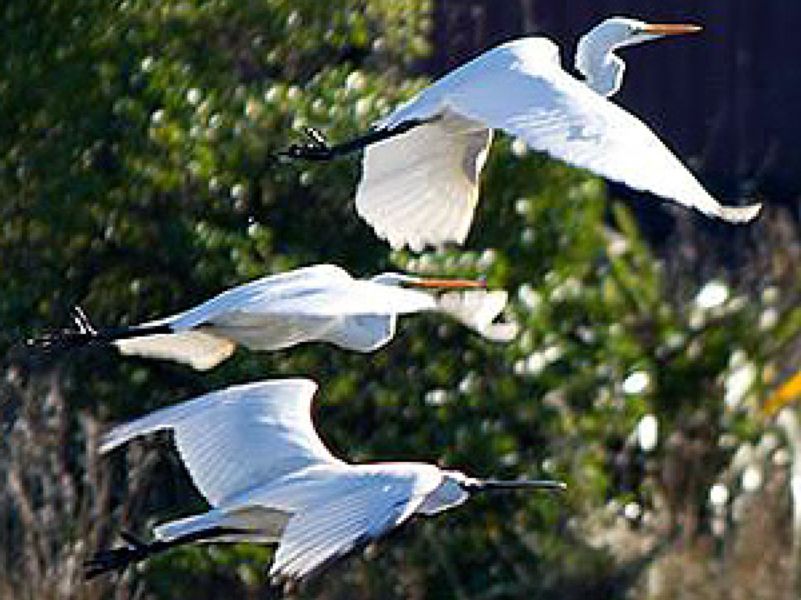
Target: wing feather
[
  {"x": 558, "y": 114},
  {"x": 370, "y": 506},
  {"x": 315, "y": 303},
  {"x": 411, "y": 182},
  {"x": 238, "y": 437},
  {"x": 421, "y": 187},
  {"x": 478, "y": 310}
]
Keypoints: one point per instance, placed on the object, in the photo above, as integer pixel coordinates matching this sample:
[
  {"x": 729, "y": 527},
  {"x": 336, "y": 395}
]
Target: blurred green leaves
[{"x": 138, "y": 176}]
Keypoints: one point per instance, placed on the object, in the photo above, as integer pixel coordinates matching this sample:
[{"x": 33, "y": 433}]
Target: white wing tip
[
  {"x": 419, "y": 243},
  {"x": 739, "y": 214}
]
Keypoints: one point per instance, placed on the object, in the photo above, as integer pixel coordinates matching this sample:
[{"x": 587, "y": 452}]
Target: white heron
[
  {"x": 253, "y": 452},
  {"x": 315, "y": 303},
  {"x": 421, "y": 167}
]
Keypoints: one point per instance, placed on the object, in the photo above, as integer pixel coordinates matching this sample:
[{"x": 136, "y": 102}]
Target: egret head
[
  {"x": 622, "y": 31},
  {"x": 453, "y": 490},
  {"x": 456, "y": 488},
  {"x": 595, "y": 57},
  {"x": 413, "y": 281}
]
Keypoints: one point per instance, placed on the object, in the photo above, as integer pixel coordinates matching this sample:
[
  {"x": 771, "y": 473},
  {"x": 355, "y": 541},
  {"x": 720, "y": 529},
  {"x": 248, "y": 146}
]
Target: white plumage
[
  {"x": 252, "y": 451},
  {"x": 316, "y": 303},
  {"x": 479, "y": 309},
  {"x": 421, "y": 187}
]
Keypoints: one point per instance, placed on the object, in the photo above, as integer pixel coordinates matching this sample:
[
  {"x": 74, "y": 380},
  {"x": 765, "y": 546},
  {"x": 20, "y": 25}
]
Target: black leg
[
  {"x": 117, "y": 559},
  {"x": 317, "y": 148},
  {"x": 137, "y": 550},
  {"x": 83, "y": 333}
]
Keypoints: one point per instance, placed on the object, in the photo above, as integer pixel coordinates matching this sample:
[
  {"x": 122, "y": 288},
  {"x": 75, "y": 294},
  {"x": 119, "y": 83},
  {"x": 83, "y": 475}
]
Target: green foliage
[{"x": 138, "y": 177}]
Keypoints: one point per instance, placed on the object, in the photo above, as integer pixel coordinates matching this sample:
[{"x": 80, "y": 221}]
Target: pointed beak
[
  {"x": 447, "y": 284},
  {"x": 488, "y": 485},
  {"x": 670, "y": 29}
]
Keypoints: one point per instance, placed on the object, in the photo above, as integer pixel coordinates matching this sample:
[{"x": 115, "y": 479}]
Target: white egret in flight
[
  {"x": 253, "y": 452},
  {"x": 315, "y": 303},
  {"x": 421, "y": 167}
]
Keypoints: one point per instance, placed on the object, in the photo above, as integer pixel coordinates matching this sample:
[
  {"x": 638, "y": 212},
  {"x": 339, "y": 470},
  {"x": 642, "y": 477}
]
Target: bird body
[
  {"x": 253, "y": 453},
  {"x": 421, "y": 186},
  {"x": 315, "y": 303}
]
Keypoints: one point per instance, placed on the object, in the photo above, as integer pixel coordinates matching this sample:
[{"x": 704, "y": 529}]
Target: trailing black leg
[
  {"x": 318, "y": 149},
  {"x": 83, "y": 333},
  {"x": 137, "y": 550},
  {"x": 117, "y": 559}
]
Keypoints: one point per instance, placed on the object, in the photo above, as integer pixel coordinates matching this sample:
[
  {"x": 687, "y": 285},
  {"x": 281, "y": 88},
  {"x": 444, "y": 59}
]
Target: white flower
[
  {"x": 752, "y": 478},
  {"x": 535, "y": 363},
  {"x": 712, "y": 295},
  {"x": 632, "y": 511},
  {"x": 648, "y": 433},
  {"x": 738, "y": 383},
  {"x": 436, "y": 397},
  {"x": 552, "y": 353},
  {"x": 770, "y": 295},
  {"x": 768, "y": 319},
  {"x": 718, "y": 495},
  {"x": 193, "y": 96},
  {"x": 363, "y": 106},
  {"x": 529, "y": 297},
  {"x": 636, "y": 383},
  {"x": 355, "y": 81}
]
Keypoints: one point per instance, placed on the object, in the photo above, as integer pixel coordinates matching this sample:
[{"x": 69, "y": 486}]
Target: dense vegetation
[{"x": 137, "y": 177}]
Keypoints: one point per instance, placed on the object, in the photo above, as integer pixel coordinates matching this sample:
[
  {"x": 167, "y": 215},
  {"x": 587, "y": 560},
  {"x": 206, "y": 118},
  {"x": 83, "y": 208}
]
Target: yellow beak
[
  {"x": 451, "y": 284},
  {"x": 670, "y": 28}
]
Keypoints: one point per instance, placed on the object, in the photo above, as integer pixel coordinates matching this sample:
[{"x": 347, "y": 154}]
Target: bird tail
[
  {"x": 258, "y": 524},
  {"x": 192, "y": 524},
  {"x": 739, "y": 214},
  {"x": 198, "y": 349}
]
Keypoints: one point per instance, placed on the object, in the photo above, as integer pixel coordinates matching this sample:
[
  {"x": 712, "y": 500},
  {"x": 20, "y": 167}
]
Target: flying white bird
[
  {"x": 316, "y": 303},
  {"x": 421, "y": 167},
  {"x": 253, "y": 452}
]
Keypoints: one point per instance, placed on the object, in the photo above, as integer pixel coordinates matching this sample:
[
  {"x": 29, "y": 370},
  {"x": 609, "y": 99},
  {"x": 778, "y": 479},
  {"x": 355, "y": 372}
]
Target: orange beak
[
  {"x": 448, "y": 284},
  {"x": 670, "y": 28}
]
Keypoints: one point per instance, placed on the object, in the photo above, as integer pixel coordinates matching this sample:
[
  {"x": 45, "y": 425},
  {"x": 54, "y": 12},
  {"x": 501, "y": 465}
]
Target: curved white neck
[{"x": 602, "y": 69}]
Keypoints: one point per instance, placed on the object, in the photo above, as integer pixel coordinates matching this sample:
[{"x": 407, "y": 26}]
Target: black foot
[
  {"x": 117, "y": 559},
  {"x": 82, "y": 322},
  {"x": 81, "y": 333},
  {"x": 316, "y": 149}
]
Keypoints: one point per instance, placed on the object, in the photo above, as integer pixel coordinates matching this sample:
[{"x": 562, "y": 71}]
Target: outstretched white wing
[
  {"x": 319, "y": 291},
  {"x": 238, "y": 437},
  {"x": 521, "y": 88},
  {"x": 422, "y": 187},
  {"x": 261, "y": 294},
  {"x": 361, "y": 507},
  {"x": 556, "y": 113},
  {"x": 308, "y": 304}
]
